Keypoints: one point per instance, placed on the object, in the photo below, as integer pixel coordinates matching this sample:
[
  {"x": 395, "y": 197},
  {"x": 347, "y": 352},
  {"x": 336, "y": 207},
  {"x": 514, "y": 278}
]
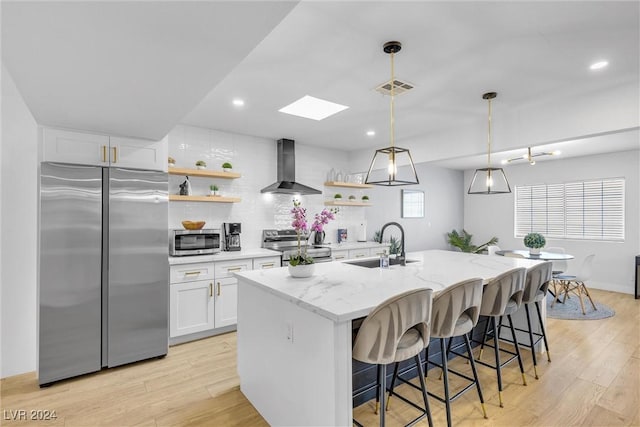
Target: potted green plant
[
  {"x": 365, "y": 199},
  {"x": 201, "y": 164},
  {"x": 462, "y": 241},
  {"x": 352, "y": 198},
  {"x": 172, "y": 161},
  {"x": 534, "y": 241},
  {"x": 226, "y": 167},
  {"x": 213, "y": 190},
  {"x": 337, "y": 197}
]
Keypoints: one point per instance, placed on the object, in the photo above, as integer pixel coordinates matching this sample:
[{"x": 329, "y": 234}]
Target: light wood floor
[{"x": 593, "y": 379}]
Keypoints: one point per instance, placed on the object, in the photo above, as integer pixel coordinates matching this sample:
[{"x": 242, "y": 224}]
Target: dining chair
[
  {"x": 576, "y": 284},
  {"x": 491, "y": 249},
  {"x": 396, "y": 330}
]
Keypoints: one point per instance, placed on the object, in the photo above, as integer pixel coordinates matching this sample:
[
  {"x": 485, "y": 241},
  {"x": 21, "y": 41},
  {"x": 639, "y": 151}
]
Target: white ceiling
[{"x": 139, "y": 68}]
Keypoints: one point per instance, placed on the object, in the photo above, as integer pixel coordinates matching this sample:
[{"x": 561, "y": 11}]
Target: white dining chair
[
  {"x": 559, "y": 266},
  {"x": 576, "y": 284},
  {"x": 492, "y": 249}
]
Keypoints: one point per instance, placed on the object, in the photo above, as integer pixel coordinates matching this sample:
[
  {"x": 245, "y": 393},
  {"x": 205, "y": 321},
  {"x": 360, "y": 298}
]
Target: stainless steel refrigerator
[{"x": 104, "y": 273}]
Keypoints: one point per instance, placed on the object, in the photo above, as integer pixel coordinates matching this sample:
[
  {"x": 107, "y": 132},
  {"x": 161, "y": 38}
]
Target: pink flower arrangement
[{"x": 301, "y": 226}]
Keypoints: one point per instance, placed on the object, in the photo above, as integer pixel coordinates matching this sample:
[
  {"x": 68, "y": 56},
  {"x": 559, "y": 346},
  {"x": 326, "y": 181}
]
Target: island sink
[{"x": 373, "y": 263}]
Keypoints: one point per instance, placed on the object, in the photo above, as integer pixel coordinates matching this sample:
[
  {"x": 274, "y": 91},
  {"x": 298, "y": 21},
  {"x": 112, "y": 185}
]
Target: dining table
[{"x": 543, "y": 256}]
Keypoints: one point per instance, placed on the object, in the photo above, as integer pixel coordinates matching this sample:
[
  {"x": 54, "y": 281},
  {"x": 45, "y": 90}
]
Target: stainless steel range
[{"x": 286, "y": 242}]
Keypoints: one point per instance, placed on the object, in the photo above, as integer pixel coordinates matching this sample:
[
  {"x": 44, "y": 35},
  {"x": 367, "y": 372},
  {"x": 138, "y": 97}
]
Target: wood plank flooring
[{"x": 593, "y": 380}]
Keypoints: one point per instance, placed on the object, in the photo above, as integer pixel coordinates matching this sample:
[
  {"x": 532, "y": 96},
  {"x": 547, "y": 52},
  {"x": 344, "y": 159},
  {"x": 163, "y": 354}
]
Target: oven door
[{"x": 195, "y": 242}]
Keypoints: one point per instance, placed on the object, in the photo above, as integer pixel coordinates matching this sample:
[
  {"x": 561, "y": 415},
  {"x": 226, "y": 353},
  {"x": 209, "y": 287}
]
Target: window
[{"x": 587, "y": 210}]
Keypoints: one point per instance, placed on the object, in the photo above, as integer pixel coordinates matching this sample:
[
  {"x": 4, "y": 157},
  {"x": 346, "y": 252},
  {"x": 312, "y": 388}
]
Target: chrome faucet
[{"x": 400, "y": 257}]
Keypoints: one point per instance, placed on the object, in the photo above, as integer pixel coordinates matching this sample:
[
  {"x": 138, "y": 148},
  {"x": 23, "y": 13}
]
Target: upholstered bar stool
[
  {"x": 502, "y": 296},
  {"x": 455, "y": 313},
  {"x": 396, "y": 330},
  {"x": 535, "y": 290}
]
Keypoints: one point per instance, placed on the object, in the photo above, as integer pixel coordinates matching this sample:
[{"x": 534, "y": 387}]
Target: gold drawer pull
[
  {"x": 270, "y": 265},
  {"x": 230, "y": 269},
  {"x": 219, "y": 289},
  {"x": 210, "y": 289},
  {"x": 192, "y": 273},
  {"x": 359, "y": 255},
  {"x": 104, "y": 153},
  {"x": 115, "y": 155}
]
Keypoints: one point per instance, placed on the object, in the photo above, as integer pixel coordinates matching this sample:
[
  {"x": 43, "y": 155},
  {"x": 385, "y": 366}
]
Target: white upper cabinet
[
  {"x": 75, "y": 147},
  {"x": 101, "y": 150}
]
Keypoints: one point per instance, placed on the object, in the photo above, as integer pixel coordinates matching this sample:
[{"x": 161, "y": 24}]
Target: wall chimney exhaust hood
[{"x": 286, "y": 183}]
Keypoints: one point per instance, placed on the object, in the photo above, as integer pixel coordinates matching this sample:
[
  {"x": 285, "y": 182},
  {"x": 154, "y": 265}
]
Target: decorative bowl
[{"x": 193, "y": 225}]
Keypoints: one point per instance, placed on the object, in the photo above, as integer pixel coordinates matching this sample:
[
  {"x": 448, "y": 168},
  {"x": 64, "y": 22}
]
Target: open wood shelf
[
  {"x": 203, "y": 172},
  {"x": 212, "y": 199},
  {"x": 345, "y": 203},
  {"x": 346, "y": 184}
]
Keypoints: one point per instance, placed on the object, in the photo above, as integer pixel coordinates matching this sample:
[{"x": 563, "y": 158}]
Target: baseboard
[{"x": 612, "y": 287}]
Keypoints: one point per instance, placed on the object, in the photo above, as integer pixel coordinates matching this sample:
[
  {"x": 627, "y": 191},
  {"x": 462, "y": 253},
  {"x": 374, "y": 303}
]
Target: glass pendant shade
[
  {"x": 392, "y": 166},
  {"x": 489, "y": 180}
]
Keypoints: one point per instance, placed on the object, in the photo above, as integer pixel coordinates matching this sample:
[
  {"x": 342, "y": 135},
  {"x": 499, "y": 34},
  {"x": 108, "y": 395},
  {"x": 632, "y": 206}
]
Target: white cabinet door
[
  {"x": 340, "y": 255},
  {"x": 226, "y": 311},
  {"x": 263, "y": 263},
  {"x": 378, "y": 251},
  {"x": 359, "y": 253},
  {"x": 74, "y": 147},
  {"x": 138, "y": 153},
  {"x": 192, "y": 307}
]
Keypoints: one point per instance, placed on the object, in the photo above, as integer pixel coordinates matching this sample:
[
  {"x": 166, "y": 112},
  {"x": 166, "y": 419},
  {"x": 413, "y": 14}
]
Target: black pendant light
[
  {"x": 489, "y": 180},
  {"x": 388, "y": 157}
]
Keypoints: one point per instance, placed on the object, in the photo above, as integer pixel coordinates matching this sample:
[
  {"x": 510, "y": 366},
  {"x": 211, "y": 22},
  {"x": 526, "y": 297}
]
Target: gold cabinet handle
[
  {"x": 219, "y": 290},
  {"x": 115, "y": 154},
  {"x": 270, "y": 265},
  {"x": 230, "y": 269},
  {"x": 359, "y": 255},
  {"x": 191, "y": 273},
  {"x": 104, "y": 153},
  {"x": 210, "y": 289}
]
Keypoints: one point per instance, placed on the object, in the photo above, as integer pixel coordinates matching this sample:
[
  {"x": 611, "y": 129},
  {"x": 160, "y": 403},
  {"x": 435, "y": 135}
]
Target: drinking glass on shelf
[
  {"x": 339, "y": 176},
  {"x": 331, "y": 175}
]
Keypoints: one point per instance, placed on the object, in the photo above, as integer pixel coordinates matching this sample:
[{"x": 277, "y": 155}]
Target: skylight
[{"x": 312, "y": 108}]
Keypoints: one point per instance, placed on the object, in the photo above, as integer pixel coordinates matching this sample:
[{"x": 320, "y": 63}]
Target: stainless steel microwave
[{"x": 194, "y": 242}]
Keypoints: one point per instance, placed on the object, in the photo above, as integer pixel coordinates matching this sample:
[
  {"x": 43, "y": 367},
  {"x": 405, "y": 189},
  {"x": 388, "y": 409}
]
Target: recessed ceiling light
[
  {"x": 371, "y": 133},
  {"x": 312, "y": 108},
  {"x": 598, "y": 65},
  {"x": 238, "y": 102}
]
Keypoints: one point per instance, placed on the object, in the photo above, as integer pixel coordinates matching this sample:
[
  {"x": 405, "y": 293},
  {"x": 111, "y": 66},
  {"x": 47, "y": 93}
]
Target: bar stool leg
[
  {"x": 382, "y": 379},
  {"x": 377, "y": 394},
  {"x": 424, "y": 389},
  {"x": 515, "y": 343},
  {"x": 447, "y": 402},
  {"x": 496, "y": 351},
  {"x": 447, "y": 355},
  {"x": 544, "y": 333},
  {"x": 484, "y": 337},
  {"x": 393, "y": 382},
  {"x": 533, "y": 350},
  {"x": 475, "y": 374}
]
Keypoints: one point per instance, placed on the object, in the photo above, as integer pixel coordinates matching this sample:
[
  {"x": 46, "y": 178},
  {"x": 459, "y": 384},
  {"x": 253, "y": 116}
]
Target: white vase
[
  {"x": 302, "y": 270},
  {"x": 226, "y": 169},
  {"x": 534, "y": 251},
  {"x": 200, "y": 167}
]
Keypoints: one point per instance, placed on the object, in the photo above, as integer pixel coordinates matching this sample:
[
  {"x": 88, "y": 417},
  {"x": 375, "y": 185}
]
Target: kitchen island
[{"x": 294, "y": 335}]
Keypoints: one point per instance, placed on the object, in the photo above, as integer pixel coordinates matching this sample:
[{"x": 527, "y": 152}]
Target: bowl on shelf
[{"x": 193, "y": 225}]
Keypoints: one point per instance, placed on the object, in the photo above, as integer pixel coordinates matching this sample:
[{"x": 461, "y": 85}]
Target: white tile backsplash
[{"x": 255, "y": 159}]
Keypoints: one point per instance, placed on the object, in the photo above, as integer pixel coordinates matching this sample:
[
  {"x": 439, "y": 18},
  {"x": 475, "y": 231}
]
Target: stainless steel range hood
[{"x": 286, "y": 183}]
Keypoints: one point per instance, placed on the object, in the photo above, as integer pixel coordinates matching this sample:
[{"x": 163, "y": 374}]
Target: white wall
[
  {"x": 614, "y": 264},
  {"x": 18, "y": 218},
  {"x": 255, "y": 159},
  {"x": 443, "y": 208}
]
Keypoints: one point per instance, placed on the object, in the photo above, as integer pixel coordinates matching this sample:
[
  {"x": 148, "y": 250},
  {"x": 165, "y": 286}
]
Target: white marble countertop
[
  {"x": 340, "y": 291},
  {"x": 223, "y": 256},
  {"x": 355, "y": 245}
]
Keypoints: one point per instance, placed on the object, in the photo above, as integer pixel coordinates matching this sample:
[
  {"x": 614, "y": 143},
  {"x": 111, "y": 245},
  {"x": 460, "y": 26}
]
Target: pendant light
[
  {"x": 389, "y": 156},
  {"x": 489, "y": 180}
]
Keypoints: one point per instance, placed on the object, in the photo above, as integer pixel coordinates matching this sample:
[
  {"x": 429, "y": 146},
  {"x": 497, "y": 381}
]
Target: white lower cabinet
[
  {"x": 226, "y": 302},
  {"x": 191, "y": 307},
  {"x": 359, "y": 253},
  {"x": 340, "y": 255}
]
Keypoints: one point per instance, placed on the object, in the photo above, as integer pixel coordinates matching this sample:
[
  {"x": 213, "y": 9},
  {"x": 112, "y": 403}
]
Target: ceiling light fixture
[
  {"x": 390, "y": 154},
  {"x": 371, "y": 133},
  {"x": 598, "y": 65},
  {"x": 489, "y": 180},
  {"x": 529, "y": 156},
  {"x": 238, "y": 102},
  {"x": 313, "y": 108}
]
